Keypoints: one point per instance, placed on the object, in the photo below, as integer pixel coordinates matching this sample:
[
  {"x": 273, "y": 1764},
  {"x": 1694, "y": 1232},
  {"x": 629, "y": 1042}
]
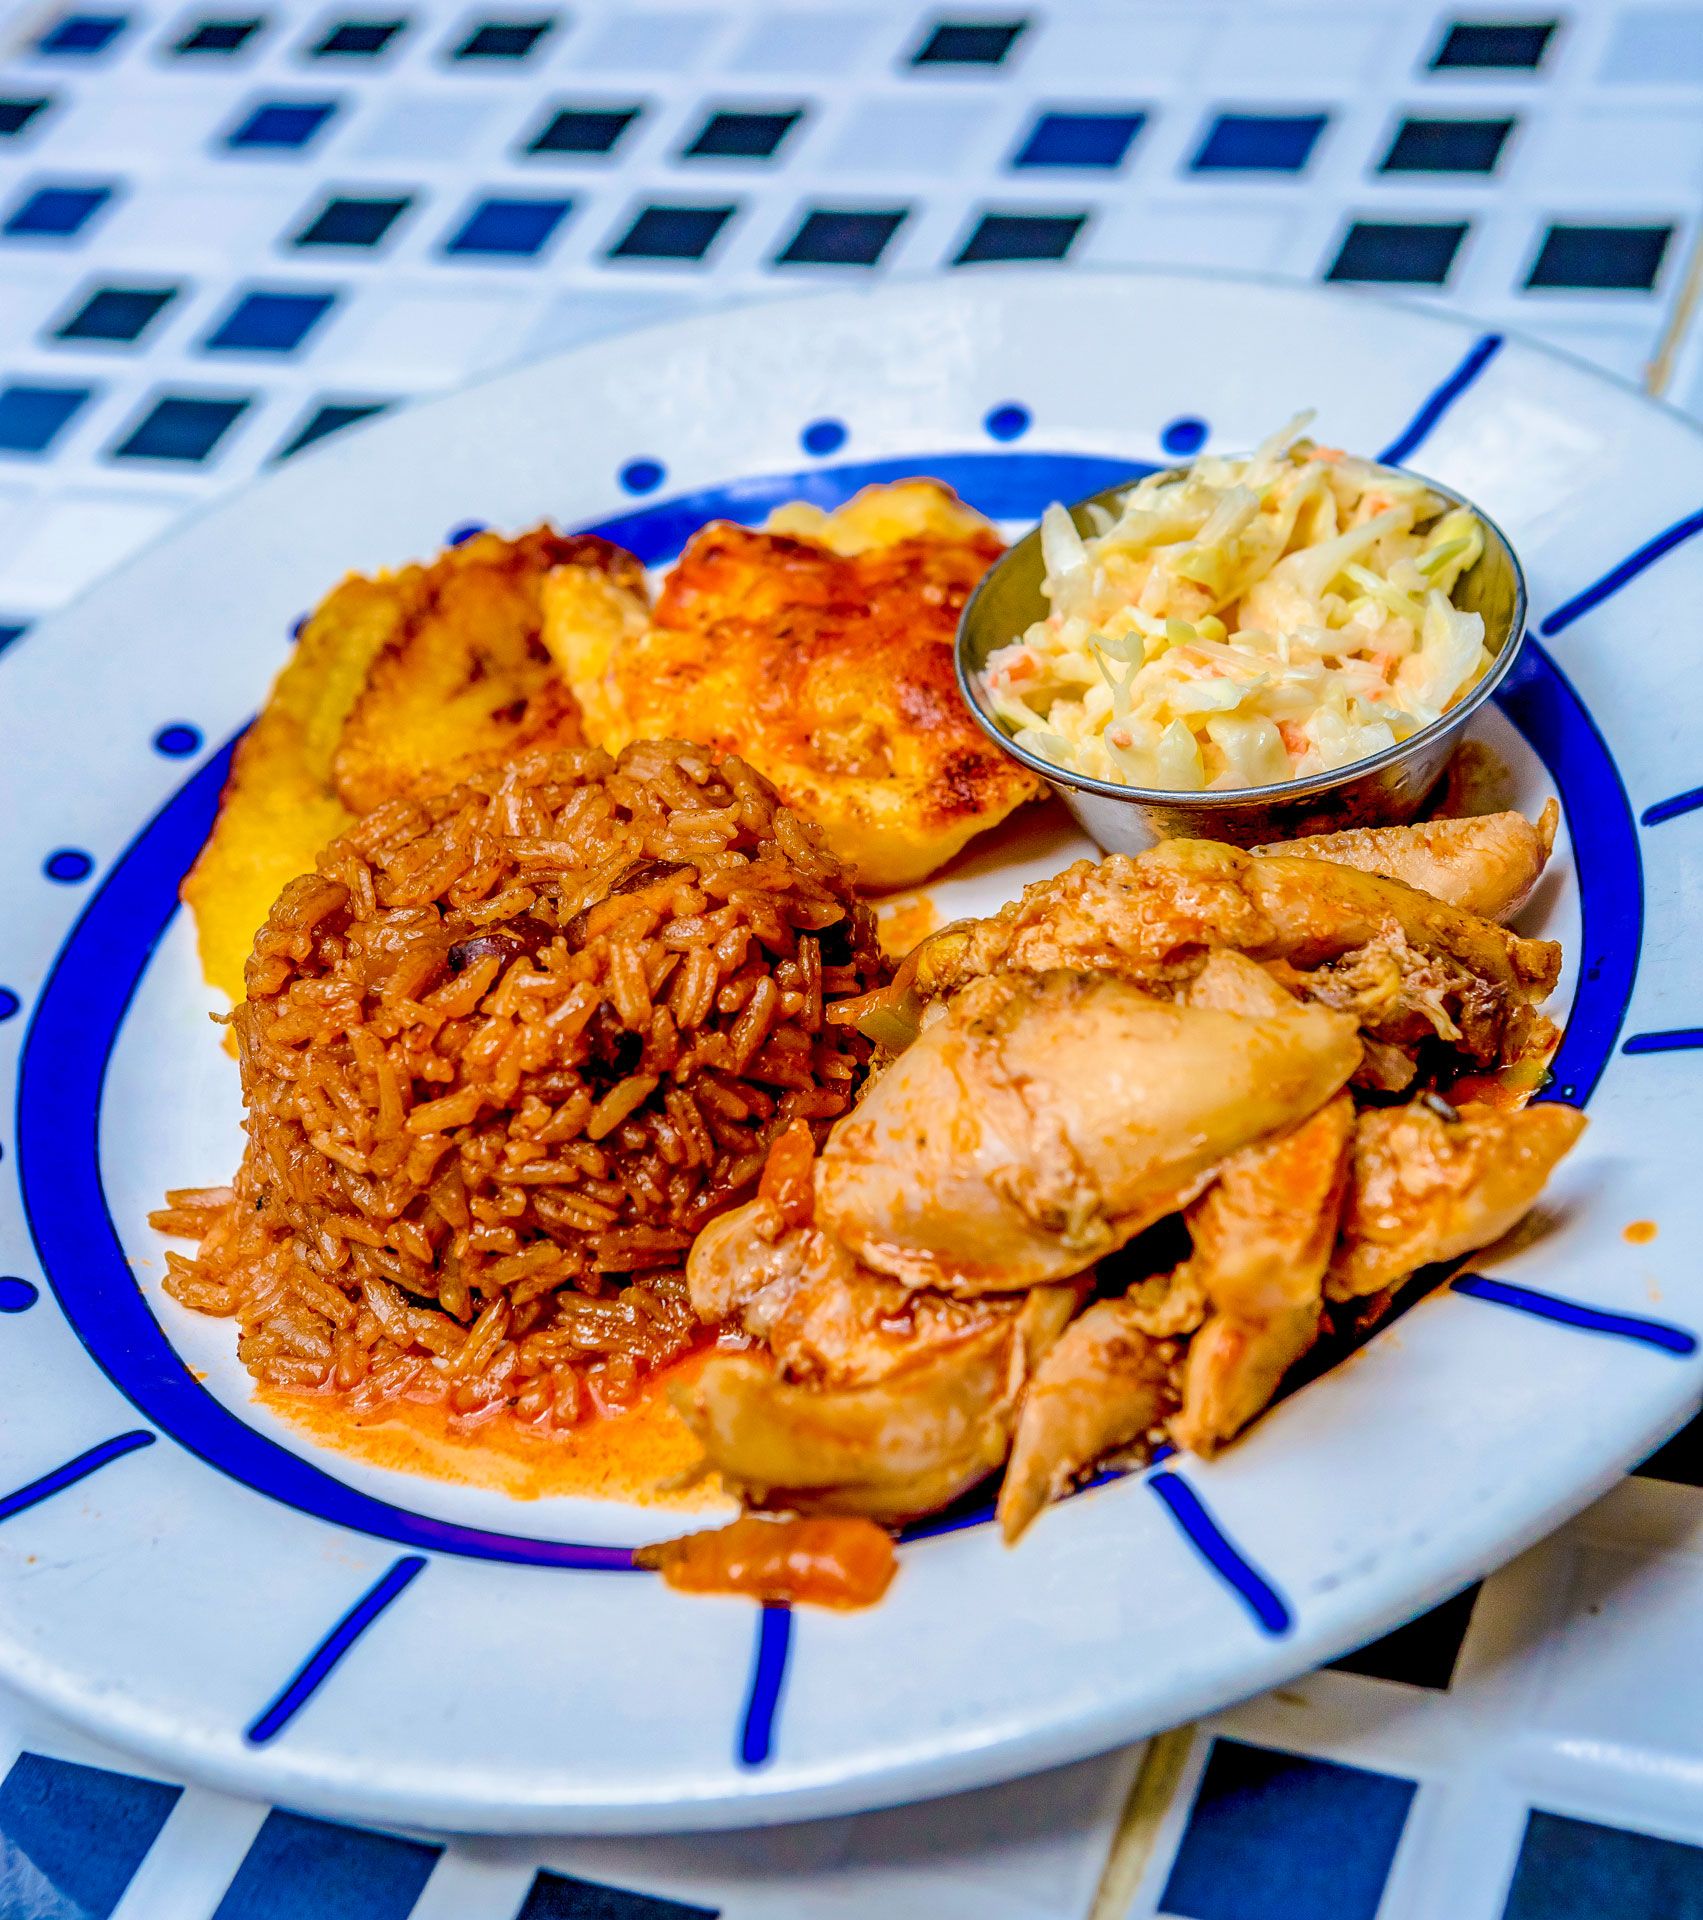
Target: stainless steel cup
[{"x": 1389, "y": 787}]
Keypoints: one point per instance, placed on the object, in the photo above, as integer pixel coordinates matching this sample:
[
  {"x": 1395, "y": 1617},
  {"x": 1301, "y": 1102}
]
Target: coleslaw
[{"x": 1245, "y": 622}]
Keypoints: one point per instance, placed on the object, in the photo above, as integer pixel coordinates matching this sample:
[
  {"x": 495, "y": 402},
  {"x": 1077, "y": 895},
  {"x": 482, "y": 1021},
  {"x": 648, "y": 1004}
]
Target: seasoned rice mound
[{"x": 502, "y": 1056}]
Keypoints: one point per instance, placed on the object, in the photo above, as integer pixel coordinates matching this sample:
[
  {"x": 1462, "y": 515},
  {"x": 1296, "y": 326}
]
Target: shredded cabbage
[{"x": 1244, "y": 622}]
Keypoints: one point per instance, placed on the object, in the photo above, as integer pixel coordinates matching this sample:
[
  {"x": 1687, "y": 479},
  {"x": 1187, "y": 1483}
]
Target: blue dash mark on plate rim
[
  {"x": 1639, "y": 1327},
  {"x": 1672, "y": 808},
  {"x": 1669, "y": 1040},
  {"x": 1438, "y": 402},
  {"x": 1215, "y": 1547},
  {"x": 768, "y": 1676},
  {"x": 316, "y": 1669},
  {"x": 1622, "y": 575},
  {"x": 33, "y": 1492}
]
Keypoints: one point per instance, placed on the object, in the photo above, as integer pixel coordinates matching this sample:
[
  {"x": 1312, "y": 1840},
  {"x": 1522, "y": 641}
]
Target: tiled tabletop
[{"x": 229, "y": 231}]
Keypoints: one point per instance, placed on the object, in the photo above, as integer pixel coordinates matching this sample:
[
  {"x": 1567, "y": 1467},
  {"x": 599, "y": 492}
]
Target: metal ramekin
[{"x": 1388, "y": 787}]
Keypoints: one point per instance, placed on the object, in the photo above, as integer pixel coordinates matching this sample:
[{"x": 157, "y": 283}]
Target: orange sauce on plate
[{"x": 633, "y": 1455}]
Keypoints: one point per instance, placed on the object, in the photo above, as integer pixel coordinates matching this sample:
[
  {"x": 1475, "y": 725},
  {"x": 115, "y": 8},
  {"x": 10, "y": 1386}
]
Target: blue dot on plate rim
[
  {"x": 177, "y": 740},
  {"x": 16, "y": 1293},
  {"x": 1183, "y": 436},
  {"x": 459, "y": 536},
  {"x": 67, "y": 865},
  {"x": 643, "y": 476},
  {"x": 9, "y": 1003},
  {"x": 823, "y": 437},
  {"x": 1008, "y": 421}
]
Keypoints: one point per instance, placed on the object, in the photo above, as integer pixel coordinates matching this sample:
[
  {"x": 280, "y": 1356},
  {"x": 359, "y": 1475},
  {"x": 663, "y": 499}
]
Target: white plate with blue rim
[{"x": 186, "y": 1574}]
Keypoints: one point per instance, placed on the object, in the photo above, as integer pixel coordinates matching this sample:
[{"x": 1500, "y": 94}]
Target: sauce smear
[{"x": 827, "y": 1562}]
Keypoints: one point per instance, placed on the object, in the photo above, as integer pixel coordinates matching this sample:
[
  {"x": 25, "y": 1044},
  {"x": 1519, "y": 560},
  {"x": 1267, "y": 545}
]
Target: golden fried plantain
[
  {"x": 819, "y": 650},
  {"x": 413, "y": 676}
]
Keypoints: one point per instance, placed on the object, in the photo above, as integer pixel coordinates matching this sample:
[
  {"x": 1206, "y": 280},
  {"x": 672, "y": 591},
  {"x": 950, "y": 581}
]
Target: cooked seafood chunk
[
  {"x": 1150, "y": 916},
  {"x": 1233, "y": 983},
  {"x": 1262, "y": 1240},
  {"x": 1043, "y": 1121},
  {"x": 825, "y": 1318},
  {"x": 1408, "y": 964},
  {"x": 1424, "y": 1188},
  {"x": 907, "y": 1445},
  {"x": 1487, "y": 864},
  {"x": 1105, "y": 1384},
  {"x": 820, "y": 650}
]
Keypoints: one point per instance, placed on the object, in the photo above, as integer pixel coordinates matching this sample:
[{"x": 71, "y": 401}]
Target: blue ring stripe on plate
[
  {"x": 73, "y": 1470},
  {"x": 768, "y": 1676},
  {"x": 1209, "y": 1540},
  {"x": 1574, "y": 1313},
  {"x": 1673, "y": 1040},
  {"x": 1544, "y": 705},
  {"x": 1425, "y": 422},
  {"x": 1687, "y": 802},
  {"x": 316, "y": 1668},
  {"x": 1617, "y": 577}
]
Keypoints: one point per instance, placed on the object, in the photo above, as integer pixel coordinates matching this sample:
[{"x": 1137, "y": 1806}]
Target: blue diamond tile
[
  {"x": 1021, "y": 236},
  {"x": 1259, "y": 143},
  {"x": 1618, "y": 259},
  {"x": 18, "y": 115},
  {"x": 1080, "y": 139},
  {"x": 82, "y": 33},
  {"x": 79, "y": 1833},
  {"x": 1580, "y": 1870},
  {"x": 180, "y": 427},
  {"x": 742, "y": 136},
  {"x": 358, "y": 39},
  {"x": 1506, "y": 44},
  {"x": 32, "y": 417},
  {"x": 353, "y": 220},
  {"x": 1398, "y": 253},
  {"x": 583, "y": 130},
  {"x": 268, "y": 322},
  {"x": 55, "y": 213},
  {"x": 671, "y": 233},
  {"x": 330, "y": 417},
  {"x": 219, "y": 36},
  {"x": 841, "y": 237},
  {"x": 503, "y": 40},
  {"x": 968, "y": 43},
  {"x": 512, "y": 228},
  {"x": 563, "y": 1896},
  {"x": 302, "y": 1867},
  {"x": 1447, "y": 146},
  {"x": 116, "y": 315},
  {"x": 282, "y": 125},
  {"x": 1423, "y": 1652},
  {"x": 1278, "y": 1836}
]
